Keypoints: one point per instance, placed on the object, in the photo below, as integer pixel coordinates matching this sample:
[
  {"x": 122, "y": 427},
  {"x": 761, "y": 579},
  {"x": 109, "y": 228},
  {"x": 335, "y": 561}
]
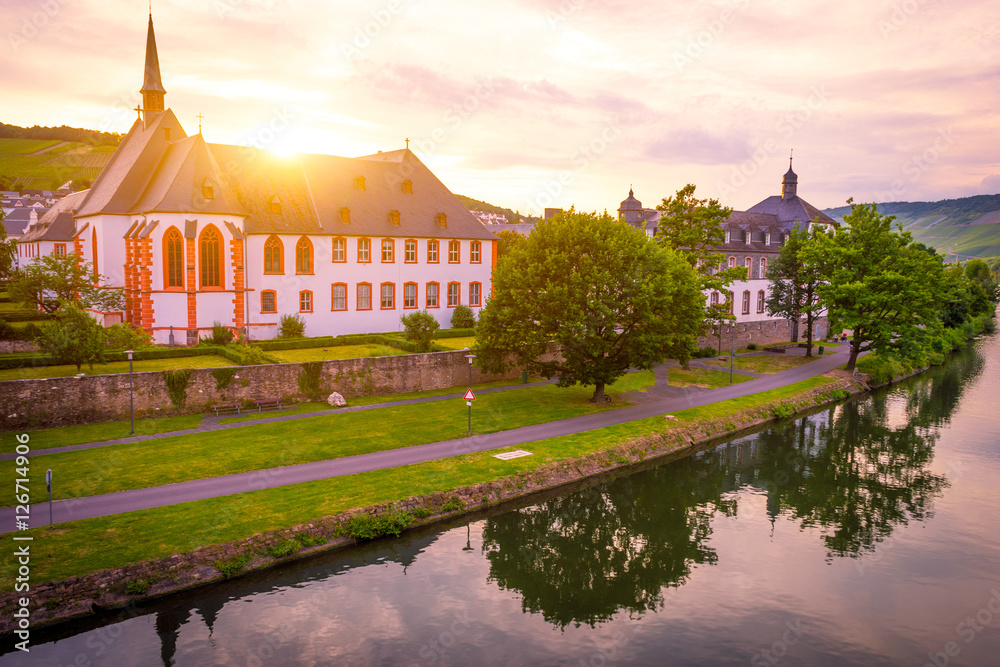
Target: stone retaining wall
[
  {"x": 9, "y": 346},
  {"x": 763, "y": 333},
  {"x": 92, "y": 398}
]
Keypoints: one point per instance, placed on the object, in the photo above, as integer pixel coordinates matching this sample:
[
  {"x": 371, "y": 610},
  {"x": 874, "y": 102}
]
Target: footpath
[{"x": 660, "y": 399}]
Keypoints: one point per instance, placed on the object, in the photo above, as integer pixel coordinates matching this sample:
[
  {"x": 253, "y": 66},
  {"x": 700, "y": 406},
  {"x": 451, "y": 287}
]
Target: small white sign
[{"x": 517, "y": 453}]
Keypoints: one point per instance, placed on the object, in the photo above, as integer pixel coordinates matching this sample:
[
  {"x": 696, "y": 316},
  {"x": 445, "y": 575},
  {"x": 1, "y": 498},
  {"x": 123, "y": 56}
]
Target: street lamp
[
  {"x": 131, "y": 407},
  {"x": 470, "y": 357},
  {"x": 732, "y": 353}
]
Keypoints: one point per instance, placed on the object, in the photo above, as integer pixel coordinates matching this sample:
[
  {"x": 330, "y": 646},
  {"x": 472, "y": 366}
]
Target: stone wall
[
  {"x": 9, "y": 346},
  {"x": 762, "y": 333},
  {"x": 92, "y": 398}
]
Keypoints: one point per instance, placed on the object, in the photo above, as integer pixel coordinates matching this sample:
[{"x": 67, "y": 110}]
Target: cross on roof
[{"x": 407, "y": 144}]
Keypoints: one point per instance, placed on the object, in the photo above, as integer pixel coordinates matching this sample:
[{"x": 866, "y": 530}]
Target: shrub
[
  {"x": 463, "y": 318},
  {"x": 420, "y": 329},
  {"x": 703, "y": 352},
  {"x": 422, "y": 512},
  {"x": 453, "y": 505},
  {"x": 74, "y": 338},
  {"x": 223, "y": 376},
  {"x": 220, "y": 334},
  {"x": 309, "y": 379},
  {"x": 284, "y": 549},
  {"x": 137, "y": 587},
  {"x": 231, "y": 567},
  {"x": 882, "y": 369},
  {"x": 291, "y": 326},
  {"x": 252, "y": 355},
  {"x": 989, "y": 324},
  {"x": 782, "y": 411},
  {"x": 177, "y": 382},
  {"x": 367, "y": 527},
  {"x": 751, "y": 346},
  {"x": 307, "y": 540},
  {"x": 126, "y": 336}
]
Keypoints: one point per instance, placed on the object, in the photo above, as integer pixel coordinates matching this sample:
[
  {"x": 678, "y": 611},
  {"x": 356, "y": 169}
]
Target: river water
[{"x": 864, "y": 534}]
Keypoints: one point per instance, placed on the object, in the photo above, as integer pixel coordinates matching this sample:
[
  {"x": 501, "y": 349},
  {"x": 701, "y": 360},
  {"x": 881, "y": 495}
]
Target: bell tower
[{"x": 152, "y": 88}]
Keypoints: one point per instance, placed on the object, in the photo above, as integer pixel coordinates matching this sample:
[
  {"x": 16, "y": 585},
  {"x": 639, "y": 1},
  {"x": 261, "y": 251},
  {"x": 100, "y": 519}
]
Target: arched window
[
  {"x": 173, "y": 255},
  {"x": 732, "y": 262},
  {"x": 305, "y": 301},
  {"x": 304, "y": 256},
  {"x": 748, "y": 263},
  {"x": 340, "y": 250},
  {"x": 475, "y": 294},
  {"x": 715, "y": 298},
  {"x": 432, "y": 295},
  {"x": 210, "y": 257},
  {"x": 746, "y": 302},
  {"x": 274, "y": 253},
  {"x": 763, "y": 267},
  {"x": 760, "y": 301},
  {"x": 364, "y": 300},
  {"x": 388, "y": 251},
  {"x": 454, "y": 294},
  {"x": 388, "y": 296},
  {"x": 454, "y": 252},
  {"x": 410, "y": 251},
  {"x": 432, "y": 252},
  {"x": 409, "y": 295},
  {"x": 338, "y": 294},
  {"x": 268, "y": 301},
  {"x": 475, "y": 252}
]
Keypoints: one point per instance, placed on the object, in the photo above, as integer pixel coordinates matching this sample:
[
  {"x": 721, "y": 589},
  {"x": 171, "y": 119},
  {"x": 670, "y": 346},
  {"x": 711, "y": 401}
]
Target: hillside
[
  {"x": 45, "y": 164},
  {"x": 477, "y": 205},
  {"x": 959, "y": 228}
]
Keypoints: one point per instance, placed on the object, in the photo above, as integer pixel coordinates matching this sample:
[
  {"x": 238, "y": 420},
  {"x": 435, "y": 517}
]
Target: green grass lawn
[
  {"x": 766, "y": 365},
  {"x": 702, "y": 377},
  {"x": 336, "y": 352},
  {"x": 261, "y": 446},
  {"x": 74, "y": 435},
  {"x": 80, "y": 547},
  {"x": 207, "y": 361},
  {"x": 457, "y": 343}
]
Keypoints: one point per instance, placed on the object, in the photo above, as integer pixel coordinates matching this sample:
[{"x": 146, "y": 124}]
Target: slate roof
[
  {"x": 16, "y": 221},
  {"x": 56, "y": 224},
  {"x": 791, "y": 210}
]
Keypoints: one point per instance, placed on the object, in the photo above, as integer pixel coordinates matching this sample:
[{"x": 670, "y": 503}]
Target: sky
[{"x": 530, "y": 104}]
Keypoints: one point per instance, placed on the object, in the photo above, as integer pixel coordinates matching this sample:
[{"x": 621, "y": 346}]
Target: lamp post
[
  {"x": 470, "y": 357},
  {"x": 732, "y": 353},
  {"x": 131, "y": 405}
]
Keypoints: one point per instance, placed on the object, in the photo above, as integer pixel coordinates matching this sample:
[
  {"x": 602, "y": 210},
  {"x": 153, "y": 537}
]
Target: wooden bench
[
  {"x": 268, "y": 405},
  {"x": 226, "y": 409}
]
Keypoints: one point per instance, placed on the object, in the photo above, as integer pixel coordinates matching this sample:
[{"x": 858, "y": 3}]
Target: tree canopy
[
  {"x": 8, "y": 251},
  {"x": 52, "y": 280},
  {"x": 610, "y": 298},
  {"x": 74, "y": 338},
  {"x": 792, "y": 291}
]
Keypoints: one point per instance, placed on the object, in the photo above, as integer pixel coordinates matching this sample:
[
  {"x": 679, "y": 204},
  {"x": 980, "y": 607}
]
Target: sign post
[
  {"x": 48, "y": 485},
  {"x": 469, "y": 396}
]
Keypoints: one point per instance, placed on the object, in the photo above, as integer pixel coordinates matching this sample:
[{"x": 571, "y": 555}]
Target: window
[
  {"x": 345, "y": 215},
  {"x": 304, "y": 256},
  {"x": 410, "y": 251},
  {"x": 432, "y": 252},
  {"x": 454, "y": 294},
  {"x": 715, "y": 298},
  {"x": 730, "y": 298},
  {"x": 338, "y": 296},
  {"x": 442, "y": 220},
  {"x": 746, "y": 302},
  {"x": 359, "y": 182},
  {"x": 475, "y": 252},
  {"x": 364, "y": 301},
  {"x": 364, "y": 251},
  {"x": 340, "y": 250},
  {"x": 728, "y": 233},
  {"x": 207, "y": 190},
  {"x": 760, "y": 301},
  {"x": 274, "y": 252},
  {"x": 767, "y": 238},
  {"x": 394, "y": 217},
  {"x": 454, "y": 254},
  {"x": 409, "y": 295},
  {"x": 268, "y": 301},
  {"x": 173, "y": 252},
  {"x": 408, "y": 187},
  {"x": 388, "y": 251},
  {"x": 210, "y": 247},
  {"x": 732, "y": 262},
  {"x": 763, "y": 267},
  {"x": 305, "y": 301},
  {"x": 274, "y": 206},
  {"x": 388, "y": 296},
  {"x": 59, "y": 249},
  {"x": 432, "y": 295},
  {"x": 748, "y": 263},
  {"x": 475, "y": 290}
]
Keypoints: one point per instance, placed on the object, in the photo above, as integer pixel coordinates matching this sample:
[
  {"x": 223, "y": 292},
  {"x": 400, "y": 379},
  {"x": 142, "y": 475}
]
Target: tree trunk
[
  {"x": 598, "y": 396},
  {"x": 795, "y": 329},
  {"x": 852, "y": 360},
  {"x": 809, "y": 335}
]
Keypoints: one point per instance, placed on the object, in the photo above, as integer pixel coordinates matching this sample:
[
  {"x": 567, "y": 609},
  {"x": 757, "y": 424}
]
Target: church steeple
[
  {"x": 152, "y": 88},
  {"x": 790, "y": 182}
]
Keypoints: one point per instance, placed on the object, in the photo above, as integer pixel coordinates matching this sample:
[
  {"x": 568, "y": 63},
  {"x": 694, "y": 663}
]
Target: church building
[{"x": 197, "y": 233}]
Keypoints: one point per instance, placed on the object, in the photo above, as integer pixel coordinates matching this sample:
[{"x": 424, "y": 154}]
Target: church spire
[
  {"x": 790, "y": 181},
  {"x": 152, "y": 88}
]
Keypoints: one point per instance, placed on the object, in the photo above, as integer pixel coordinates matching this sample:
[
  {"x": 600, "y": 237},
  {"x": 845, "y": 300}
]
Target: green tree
[
  {"x": 52, "y": 280},
  {"x": 876, "y": 283},
  {"x": 508, "y": 238},
  {"x": 462, "y": 317},
  {"x": 793, "y": 291},
  {"x": 8, "y": 251},
  {"x": 420, "y": 329},
  {"x": 73, "y": 338},
  {"x": 602, "y": 290},
  {"x": 984, "y": 288},
  {"x": 692, "y": 228}
]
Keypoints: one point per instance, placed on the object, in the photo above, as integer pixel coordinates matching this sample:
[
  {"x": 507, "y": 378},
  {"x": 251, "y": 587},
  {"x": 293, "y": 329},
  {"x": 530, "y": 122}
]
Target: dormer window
[
  {"x": 728, "y": 234},
  {"x": 359, "y": 182},
  {"x": 207, "y": 191},
  {"x": 767, "y": 238},
  {"x": 749, "y": 237},
  {"x": 345, "y": 215},
  {"x": 394, "y": 217},
  {"x": 408, "y": 187},
  {"x": 274, "y": 205},
  {"x": 442, "y": 220}
]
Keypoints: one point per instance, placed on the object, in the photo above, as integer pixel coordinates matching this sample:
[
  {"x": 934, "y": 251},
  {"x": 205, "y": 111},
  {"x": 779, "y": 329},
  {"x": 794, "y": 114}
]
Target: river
[{"x": 864, "y": 534}]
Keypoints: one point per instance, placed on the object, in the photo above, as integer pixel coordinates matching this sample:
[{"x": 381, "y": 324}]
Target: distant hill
[
  {"x": 61, "y": 133},
  {"x": 45, "y": 164},
  {"x": 958, "y": 228},
  {"x": 476, "y": 205}
]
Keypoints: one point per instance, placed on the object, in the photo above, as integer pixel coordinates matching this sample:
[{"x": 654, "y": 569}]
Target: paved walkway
[{"x": 199, "y": 489}]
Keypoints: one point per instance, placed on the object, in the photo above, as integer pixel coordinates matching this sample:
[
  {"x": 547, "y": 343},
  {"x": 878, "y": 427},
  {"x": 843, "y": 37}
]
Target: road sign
[{"x": 469, "y": 396}]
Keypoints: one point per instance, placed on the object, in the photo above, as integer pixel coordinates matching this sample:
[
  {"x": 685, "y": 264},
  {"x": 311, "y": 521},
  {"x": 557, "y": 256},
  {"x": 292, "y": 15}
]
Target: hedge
[{"x": 27, "y": 316}]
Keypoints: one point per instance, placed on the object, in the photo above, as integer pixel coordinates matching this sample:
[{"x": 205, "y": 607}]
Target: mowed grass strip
[
  {"x": 81, "y": 547},
  {"x": 702, "y": 377},
  {"x": 766, "y": 365},
  {"x": 260, "y": 446},
  {"x": 457, "y": 343},
  {"x": 74, "y": 435},
  {"x": 336, "y": 352},
  {"x": 39, "y": 372}
]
